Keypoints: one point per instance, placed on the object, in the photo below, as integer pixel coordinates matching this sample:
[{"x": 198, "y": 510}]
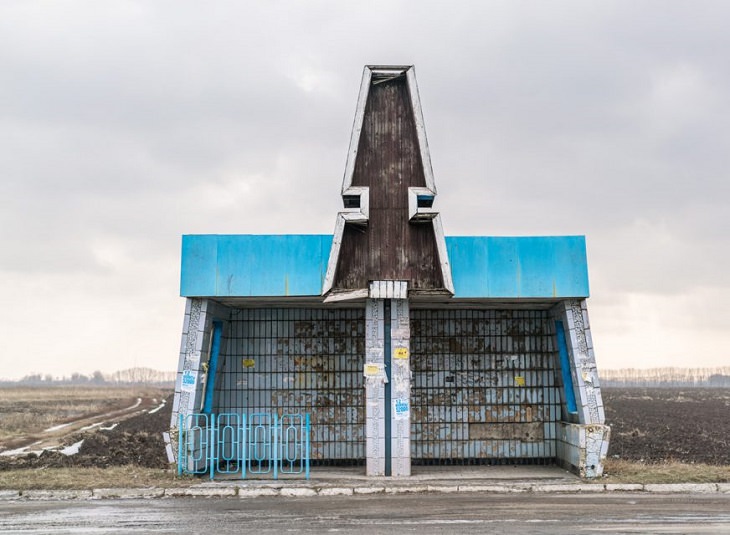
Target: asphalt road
[{"x": 424, "y": 514}]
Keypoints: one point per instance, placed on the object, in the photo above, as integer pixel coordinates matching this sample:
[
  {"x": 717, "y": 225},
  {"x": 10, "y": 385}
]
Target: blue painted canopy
[
  {"x": 538, "y": 267},
  {"x": 246, "y": 265}
]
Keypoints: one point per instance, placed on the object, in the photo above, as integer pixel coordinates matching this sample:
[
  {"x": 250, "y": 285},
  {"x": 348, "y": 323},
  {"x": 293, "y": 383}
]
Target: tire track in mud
[{"x": 55, "y": 437}]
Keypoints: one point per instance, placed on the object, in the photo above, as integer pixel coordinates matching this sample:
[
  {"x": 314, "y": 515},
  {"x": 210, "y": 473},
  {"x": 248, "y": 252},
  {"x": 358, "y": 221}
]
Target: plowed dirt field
[
  {"x": 656, "y": 425},
  {"x": 648, "y": 425}
]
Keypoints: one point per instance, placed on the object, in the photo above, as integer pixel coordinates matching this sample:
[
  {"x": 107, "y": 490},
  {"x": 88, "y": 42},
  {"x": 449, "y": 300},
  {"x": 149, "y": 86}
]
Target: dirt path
[{"x": 56, "y": 436}]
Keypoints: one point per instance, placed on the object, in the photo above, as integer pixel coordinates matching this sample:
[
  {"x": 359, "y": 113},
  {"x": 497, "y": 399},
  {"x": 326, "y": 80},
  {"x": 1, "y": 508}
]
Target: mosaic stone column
[
  {"x": 400, "y": 375},
  {"x": 375, "y": 378},
  {"x": 188, "y": 385},
  {"x": 584, "y": 371},
  {"x": 388, "y": 380},
  {"x": 583, "y": 446}
]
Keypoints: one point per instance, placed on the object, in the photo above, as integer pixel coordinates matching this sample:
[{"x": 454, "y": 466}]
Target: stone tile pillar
[
  {"x": 582, "y": 446},
  {"x": 387, "y": 380},
  {"x": 400, "y": 375},
  {"x": 188, "y": 389},
  {"x": 584, "y": 371},
  {"x": 375, "y": 378}
]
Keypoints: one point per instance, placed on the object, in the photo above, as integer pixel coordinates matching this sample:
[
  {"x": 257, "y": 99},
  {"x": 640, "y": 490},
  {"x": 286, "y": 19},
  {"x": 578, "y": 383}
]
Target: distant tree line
[
  {"x": 131, "y": 376},
  {"x": 623, "y": 377},
  {"x": 667, "y": 377}
]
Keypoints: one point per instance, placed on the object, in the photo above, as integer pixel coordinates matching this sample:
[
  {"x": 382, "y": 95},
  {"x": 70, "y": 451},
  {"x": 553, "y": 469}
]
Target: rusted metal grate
[
  {"x": 297, "y": 361},
  {"x": 484, "y": 388}
]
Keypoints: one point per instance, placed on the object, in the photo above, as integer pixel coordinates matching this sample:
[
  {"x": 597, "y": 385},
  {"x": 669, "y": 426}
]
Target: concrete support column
[
  {"x": 387, "y": 380},
  {"x": 400, "y": 375},
  {"x": 582, "y": 447},
  {"x": 583, "y": 360},
  {"x": 375, "y": 378},
  {"x": 194, "y": 338}
]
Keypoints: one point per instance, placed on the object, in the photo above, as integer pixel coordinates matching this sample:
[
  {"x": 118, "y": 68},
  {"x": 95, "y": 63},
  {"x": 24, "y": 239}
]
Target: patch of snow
[
  {"x": 73, "y": 449},
  {"x": 19, "y": 451},
  {"x": 109, "y": 427},
  {"x": 57, "y": 427},
  {"x": 160, "y": 406},
  {"x": 92, "y": 426}
]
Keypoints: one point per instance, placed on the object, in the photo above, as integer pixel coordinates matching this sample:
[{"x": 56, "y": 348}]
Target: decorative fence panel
[{"x": 240, "y": 444}]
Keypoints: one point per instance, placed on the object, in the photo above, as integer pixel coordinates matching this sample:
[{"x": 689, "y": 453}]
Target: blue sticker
[
  {"x": 402, "y": 408},
  {"x": 188, "y": 380}
]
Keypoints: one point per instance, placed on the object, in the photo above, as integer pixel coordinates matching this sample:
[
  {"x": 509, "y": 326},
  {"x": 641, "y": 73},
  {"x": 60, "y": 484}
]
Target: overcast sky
[{"x": 125, "y": 124}]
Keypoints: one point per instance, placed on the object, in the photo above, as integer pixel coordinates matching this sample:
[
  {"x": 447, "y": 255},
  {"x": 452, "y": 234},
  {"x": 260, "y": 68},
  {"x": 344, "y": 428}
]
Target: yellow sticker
[
  {"x": 400, "y": 353},
  {"x": 372, "y": 370},
  {"x": 519, "y": 380},
  {"x": 248, "y": 363}
]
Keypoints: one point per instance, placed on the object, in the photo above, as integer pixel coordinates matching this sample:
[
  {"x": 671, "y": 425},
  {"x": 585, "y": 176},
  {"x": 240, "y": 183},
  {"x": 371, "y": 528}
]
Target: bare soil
[
  {"x": 30, "y": 414},
  {"x": 663, "y": 425},
  {"x": 128, "y": 436},
  {"x": 651, "y": 426}
]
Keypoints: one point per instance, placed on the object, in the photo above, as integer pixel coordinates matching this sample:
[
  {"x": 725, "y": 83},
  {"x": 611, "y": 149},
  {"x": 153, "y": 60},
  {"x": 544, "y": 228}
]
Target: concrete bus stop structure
[{"x": 404, "y": 345}]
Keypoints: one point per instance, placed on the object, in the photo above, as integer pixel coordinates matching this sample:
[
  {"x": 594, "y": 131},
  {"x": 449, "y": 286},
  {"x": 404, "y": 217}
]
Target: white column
[
  {"x": 400, "y": 388},
  {"x": 194, "y": 335},
  {"x": 583, "y": 360},
  {"x": 374, "y": 388},
  {"x": 582, "y": 446},
  {"x": 398, "y": 411}
]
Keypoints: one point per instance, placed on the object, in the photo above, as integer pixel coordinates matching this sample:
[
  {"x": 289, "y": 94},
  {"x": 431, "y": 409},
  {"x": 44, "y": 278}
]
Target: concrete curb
[
  {"x": 57, "y": 494},
  {"x": 124, "y": 493},
  {"x": 309, "y": 490},
  {"x": 694, "y": 488}
]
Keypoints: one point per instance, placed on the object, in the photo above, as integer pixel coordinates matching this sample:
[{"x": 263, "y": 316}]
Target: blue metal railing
[{"x": 233, "y": 443}]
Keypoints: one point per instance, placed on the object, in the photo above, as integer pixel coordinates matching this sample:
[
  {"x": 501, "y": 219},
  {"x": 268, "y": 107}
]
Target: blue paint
[
  {"x": 253, "y": 265},
  {"x": 565, "y": 368},
  {"x": 518, "y": 267},
  {"x": 244, "y": 442},
  {"x": 212, "y": 366},
  {"x": 486, "y": 267},
  {"x": 307, "y": 434},
  {"x": 253, "y": 442},
  {"x": 199, "y": 257},
  {"x": 230, "y": 446},
  {"x": 195, "y": 451},
  {"x": 261, "y": 451},
  {"x": 276, "y": 446},
  {"x": 212, "y": 450}
]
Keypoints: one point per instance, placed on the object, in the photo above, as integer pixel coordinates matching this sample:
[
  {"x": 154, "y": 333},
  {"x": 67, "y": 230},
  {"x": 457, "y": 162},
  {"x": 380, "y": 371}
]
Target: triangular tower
[{"x": 389, "y": 229}]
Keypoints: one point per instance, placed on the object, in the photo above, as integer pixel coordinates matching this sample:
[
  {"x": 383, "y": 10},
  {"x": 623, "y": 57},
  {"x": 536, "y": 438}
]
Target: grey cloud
[{"x": 131, "y": 123}]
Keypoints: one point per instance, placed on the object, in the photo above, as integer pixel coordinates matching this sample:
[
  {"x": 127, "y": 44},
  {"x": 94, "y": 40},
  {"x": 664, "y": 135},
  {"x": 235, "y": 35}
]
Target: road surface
[{"x": 424, "y": 514}]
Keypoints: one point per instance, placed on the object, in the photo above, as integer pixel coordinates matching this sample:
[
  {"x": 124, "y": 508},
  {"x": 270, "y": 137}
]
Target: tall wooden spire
[{"x": 388, "y": 229}]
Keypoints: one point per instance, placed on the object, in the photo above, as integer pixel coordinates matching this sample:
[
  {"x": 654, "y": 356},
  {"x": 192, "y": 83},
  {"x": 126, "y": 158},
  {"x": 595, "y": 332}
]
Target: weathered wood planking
[{"x": 388, "y": 163}]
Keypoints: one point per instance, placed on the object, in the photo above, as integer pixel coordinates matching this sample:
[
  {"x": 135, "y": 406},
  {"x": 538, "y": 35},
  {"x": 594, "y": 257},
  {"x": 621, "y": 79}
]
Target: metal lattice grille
[
  {"x": 484, "y": 386},
  {"x": 297, "y": 361}
]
